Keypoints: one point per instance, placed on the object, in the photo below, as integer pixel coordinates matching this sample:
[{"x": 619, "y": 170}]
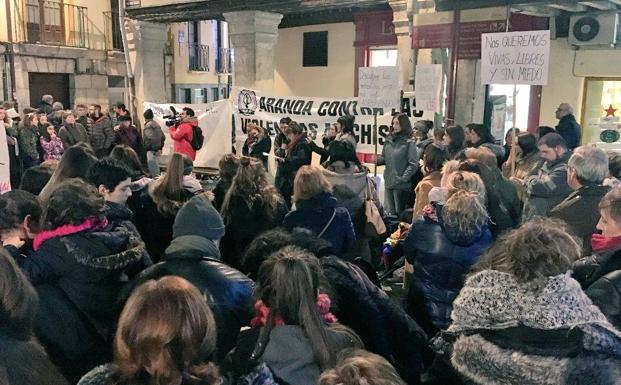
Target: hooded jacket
[
  {"x": 153, "y": 136},
  {"x": 441, "y": 256},
  {"x": 547, "y": 188},
  {"x": 508, "y": 332},
  {"x": 182, "y": 136},
  {"x": 228, "y": 292},
  {"x": 401, "y": 159},
  {"x": 78, "y": 278},
  {"x": 314, "y": 214}
]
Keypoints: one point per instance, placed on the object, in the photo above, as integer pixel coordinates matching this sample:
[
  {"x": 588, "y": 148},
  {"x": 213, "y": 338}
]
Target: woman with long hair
[
  {"x": 166, "y": 335},
  {"x": 527, "y": 160},
  {"x": 296, "y": 154},
  {"x": 75, "y": 163},
  {"x": 51, "y": 145},
  {"x": 257, "y": 144},
  {"x": 228, "y": 166},
  {"x": 433, "y": 160},
  {"x": 77, "y": 267},
  {"x": 27, "y": 139},
  {"x": 345, "y": 130},
  {"x": 521, "y": 319},
  {"x": 455, "y": 141},
  {"x": 441, "y": 252},
  {"x": 401, "y": 159},
  {"x": 130, "y": 159},
  {"x": 251, "y": 206},
  {"x": 22, "y": 360},
  {"x": 316, "y": 210},
  {"x": 295, "y": 336},
  {"x": 157, "y": 207}
]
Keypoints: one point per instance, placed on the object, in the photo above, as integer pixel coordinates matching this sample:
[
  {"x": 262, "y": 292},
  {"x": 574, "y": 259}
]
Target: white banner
[
  {"x": 316, "y": 115},
  {"x": 515, "y": 57},
  {"x": 378, "y": 87},
  {"x": 5, "y": 168},
  {"x": 215, "y": 121},
  {"x": 428, "y": 86}
]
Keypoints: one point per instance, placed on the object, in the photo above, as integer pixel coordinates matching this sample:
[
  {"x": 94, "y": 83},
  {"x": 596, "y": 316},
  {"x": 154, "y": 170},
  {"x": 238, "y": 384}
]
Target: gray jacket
[
  {"x": 401, "y": 159},
  {"x": 547, "y": 188},
  {"x": 153, "y": 136}
]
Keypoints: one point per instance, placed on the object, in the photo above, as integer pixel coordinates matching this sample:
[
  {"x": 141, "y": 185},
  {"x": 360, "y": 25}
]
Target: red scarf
[
  {"x": 64, "y": 230},
  {"x": 601, "y": 243},
  {"x": 261, "y": 312}
]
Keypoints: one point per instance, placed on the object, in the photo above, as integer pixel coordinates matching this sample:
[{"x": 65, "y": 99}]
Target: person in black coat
[
  {"x": 78, "y": 266},
  {"x": 442, "y": 252},
  {"x": 316, "y": 210},
  {"x": 257, "y": 144},
  {"x": 22, "y": 360},
  {"x": 384, "y": 327},
  {"x": 251, "y": 206},
  {"x": 567, "y": 126},
  {"x": 228, "y": 166},
  {"x": 296, "y": 154},
  {"x": 600, "y": 274},
  {"x": 194, "y": 255}
]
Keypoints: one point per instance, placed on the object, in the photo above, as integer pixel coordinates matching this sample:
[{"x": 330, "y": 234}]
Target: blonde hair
[
  {"x": 465, "y": 211},
  {"x": 449, "y": 167},
  {"x": 166, "y": 191},
  {"x": 253, "y": 126},
  {"x": 468, "y": 181},
  {"x": 359, "y": 367},
  {"x": 309, "y": 182},
  {"x": 483, "y": 155}
]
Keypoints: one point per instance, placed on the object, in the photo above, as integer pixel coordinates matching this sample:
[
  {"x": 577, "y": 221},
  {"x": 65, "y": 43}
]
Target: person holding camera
[{"x": 181, "y": 133}]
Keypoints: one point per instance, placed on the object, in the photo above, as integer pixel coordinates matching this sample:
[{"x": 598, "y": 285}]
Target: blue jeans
[{"x": 153, "y": 163}]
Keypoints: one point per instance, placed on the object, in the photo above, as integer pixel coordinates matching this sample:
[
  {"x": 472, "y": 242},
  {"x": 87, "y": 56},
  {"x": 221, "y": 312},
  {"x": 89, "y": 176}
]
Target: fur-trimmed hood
[{"x": 506, "y": 332}]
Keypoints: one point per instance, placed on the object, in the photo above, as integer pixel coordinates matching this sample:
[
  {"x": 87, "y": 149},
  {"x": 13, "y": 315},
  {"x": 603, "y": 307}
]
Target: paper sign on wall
[
  {"x": 428, "y": 86},
  {"x": 515, "y": 57},
  {"x": 378, "y": 87}
]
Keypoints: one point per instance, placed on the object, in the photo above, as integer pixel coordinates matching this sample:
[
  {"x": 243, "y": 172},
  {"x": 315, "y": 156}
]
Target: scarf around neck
[{"x": 64, "y": 230}]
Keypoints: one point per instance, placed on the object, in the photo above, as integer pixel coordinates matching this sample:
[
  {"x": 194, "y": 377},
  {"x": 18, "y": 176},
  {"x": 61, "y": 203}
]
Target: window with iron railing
[
  {"x": 198, "y": 57},
  {"x": 56, "y": 23},
  {"x": 224, "y": 61},
  {"x": 113, "y": 31}
]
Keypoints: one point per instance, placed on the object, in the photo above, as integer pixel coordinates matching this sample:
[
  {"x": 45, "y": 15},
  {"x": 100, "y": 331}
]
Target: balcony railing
[
  {"x": 198, "y": 59},
  {"x": 56, "y": 23},
  {"x": 224, "y": 62},
  {"x": 113, "y": 31}
]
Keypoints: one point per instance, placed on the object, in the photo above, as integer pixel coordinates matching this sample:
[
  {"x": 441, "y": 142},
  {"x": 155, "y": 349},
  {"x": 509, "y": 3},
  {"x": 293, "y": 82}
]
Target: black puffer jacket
[
  {"x": 297, "y": 157},
  {"x": 229, "y": 292},
  {"x": 78, "y": 278},
  {"x": 441, "y": 257}
]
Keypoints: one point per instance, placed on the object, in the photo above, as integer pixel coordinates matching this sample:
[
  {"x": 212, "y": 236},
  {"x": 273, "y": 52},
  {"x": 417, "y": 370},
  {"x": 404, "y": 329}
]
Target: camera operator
[{"x": 181, "y": 133}]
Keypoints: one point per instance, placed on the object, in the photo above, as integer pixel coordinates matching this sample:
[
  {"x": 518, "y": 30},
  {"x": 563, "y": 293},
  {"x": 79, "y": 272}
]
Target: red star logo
[{"x": 610, "y": 111}]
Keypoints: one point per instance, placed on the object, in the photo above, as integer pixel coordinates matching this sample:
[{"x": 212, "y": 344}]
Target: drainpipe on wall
[{"x": 129, "y": 77}]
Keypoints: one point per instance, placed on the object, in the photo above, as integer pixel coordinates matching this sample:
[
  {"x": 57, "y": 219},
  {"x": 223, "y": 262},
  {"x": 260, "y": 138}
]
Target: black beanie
[
  {"x": 199, "y": 217},
  {"x": 148, "y": 114}
]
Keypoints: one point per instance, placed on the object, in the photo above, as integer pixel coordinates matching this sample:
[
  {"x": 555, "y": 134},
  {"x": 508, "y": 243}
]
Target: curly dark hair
[
  {"x": 15, "y": 206},
  {"x": 71, "y": 203}
]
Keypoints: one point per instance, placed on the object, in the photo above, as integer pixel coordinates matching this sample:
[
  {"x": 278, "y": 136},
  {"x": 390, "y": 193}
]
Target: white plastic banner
[
  {"x": 515, "y": 57},
  {"x": 5, "y": 169},
  {"x": 428, "y": 86},
  {"x": 378, "y": 87},
  {"x": 316, "y": 115},
  {"x": 215, "y": 121}
]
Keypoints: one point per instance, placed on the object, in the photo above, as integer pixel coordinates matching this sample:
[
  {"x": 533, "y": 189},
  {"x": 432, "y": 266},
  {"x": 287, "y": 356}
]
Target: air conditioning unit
[{"x": 594, "y": 29}]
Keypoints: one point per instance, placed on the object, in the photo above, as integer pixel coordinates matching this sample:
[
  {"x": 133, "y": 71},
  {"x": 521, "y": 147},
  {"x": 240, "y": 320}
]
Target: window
[
  {"x": 315, "y": 49},
  {"x": 215, "y": 93},
  {"x": 383, "y": 57},
  {"x": 200, "y": 95},
  {"x": 602, "y": 108}
]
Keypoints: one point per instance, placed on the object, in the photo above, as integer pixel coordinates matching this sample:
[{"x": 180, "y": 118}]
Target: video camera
[{"x": 172, "y": 119}]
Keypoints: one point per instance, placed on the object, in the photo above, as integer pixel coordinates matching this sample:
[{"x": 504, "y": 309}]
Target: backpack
[{"x": 197, "y": 138}]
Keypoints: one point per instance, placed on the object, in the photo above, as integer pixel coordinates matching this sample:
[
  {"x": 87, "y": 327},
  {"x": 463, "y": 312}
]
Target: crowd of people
[{"x": 113, "y": 272}]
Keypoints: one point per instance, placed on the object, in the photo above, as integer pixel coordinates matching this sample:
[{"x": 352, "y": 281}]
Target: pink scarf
[
  {"x": 601, "y": 243},
  {"x": 65, "y": 230},
  {"x": 323, "y": 303}
]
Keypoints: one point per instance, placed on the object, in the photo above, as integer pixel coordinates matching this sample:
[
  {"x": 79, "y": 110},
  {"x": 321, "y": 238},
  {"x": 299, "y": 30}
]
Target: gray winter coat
[
  {"x": 153, "y": 136},
  {"x": 101, "y": 134},
  {"x": 547, "y": 188},
  {"x": 401, "y": 159},
  {"x": 71, "y": 134}
]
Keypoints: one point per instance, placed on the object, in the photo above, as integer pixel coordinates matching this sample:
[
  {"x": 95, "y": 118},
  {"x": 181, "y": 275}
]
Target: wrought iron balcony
[
  {"x": 56, "y": 23},
  {"x": 224, "y": 62},
  {"x": 113, "y": 31},
  {"x": 198, "y": 57}
]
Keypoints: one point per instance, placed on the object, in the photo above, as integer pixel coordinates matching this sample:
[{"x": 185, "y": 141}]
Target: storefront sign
[
  {"x": 215, "y": 121},
  {"x": 316, "y": 115},
  {"x": 378, "y": 87},
  {"x": 441, "y": 36},
  {"x": 5, "y": 170},
  {"x": 515, "y": 57}
]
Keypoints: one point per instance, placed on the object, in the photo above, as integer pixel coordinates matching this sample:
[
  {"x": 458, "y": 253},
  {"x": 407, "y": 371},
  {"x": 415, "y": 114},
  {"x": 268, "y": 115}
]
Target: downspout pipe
[{"x": 129, "y": 76}]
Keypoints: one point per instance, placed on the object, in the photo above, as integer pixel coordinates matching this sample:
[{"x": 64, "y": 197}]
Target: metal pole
[
  {"x": 128, "y": 67},
  {"x": 375, "y": 140}
]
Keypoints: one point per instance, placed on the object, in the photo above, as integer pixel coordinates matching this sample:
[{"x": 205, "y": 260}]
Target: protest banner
[
  {"x": 215, "y": 121},
  {"x": 515, "y": 57},
  {"x": 428, "y": 86},
  {"x": 5, "y": 169},
  {"x": 378, "y": 87},
  {"x": 316, "y": 115}
]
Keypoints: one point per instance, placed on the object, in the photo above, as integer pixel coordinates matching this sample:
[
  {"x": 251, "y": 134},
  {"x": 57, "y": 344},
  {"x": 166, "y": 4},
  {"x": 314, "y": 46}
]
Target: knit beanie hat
[{"x": 199, "y": 217}]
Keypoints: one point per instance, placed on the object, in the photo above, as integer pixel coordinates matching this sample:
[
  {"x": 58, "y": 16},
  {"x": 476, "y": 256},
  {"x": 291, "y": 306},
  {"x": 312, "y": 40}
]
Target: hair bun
[{"x": 245, "y": 161}]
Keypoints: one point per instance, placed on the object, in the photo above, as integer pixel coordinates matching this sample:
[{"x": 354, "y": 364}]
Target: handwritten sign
[
  {"x": 378, "y": 87},
  {"x": 515, "y": 57},
  {"x": 5, "y": 171},
  {"x": 428, "y": 86}
]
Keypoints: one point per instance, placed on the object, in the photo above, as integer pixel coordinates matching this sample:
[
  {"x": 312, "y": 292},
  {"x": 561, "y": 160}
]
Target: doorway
[{"x": 56, "y": 85}]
